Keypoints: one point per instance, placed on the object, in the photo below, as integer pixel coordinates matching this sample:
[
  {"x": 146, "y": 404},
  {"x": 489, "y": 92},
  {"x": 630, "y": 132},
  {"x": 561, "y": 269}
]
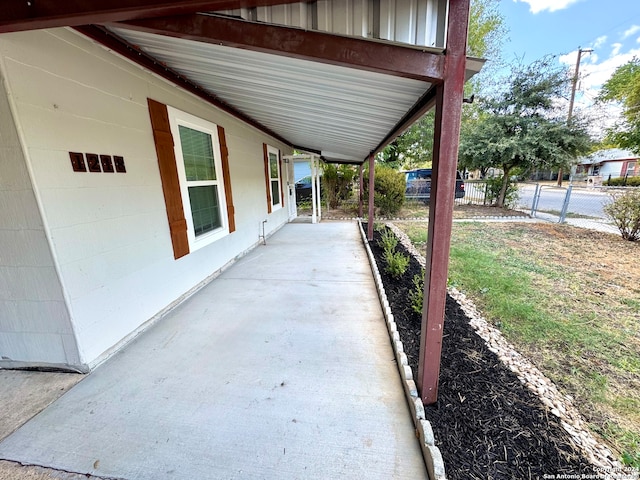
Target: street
[{"x": 582, "y": 202}]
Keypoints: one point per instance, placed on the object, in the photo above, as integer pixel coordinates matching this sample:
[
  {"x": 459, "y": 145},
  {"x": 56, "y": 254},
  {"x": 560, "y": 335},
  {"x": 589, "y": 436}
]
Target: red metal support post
[
  {"x": 449, "y": 98},
  {"x": 361, "y": 190},
  {"x": 371, "y": 187}
]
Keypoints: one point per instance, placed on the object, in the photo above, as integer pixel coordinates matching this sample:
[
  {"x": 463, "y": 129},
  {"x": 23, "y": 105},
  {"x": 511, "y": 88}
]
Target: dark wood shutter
[
  {"x": 267, "y": 175},
  {"x": 224, "y": 152},
  {"x": 169, "y": 177},
  {"x": 280, "y": 179}
]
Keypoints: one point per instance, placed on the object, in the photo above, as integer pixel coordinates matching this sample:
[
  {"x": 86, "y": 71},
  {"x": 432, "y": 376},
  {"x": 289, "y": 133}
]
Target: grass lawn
[{"x": 568, "y": 299}]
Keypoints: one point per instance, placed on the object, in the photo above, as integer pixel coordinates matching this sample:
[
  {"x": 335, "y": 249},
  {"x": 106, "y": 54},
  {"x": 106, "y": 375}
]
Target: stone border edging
[
  {"x": 557, "y": 404},
  {"x": 431, "y": 453}
]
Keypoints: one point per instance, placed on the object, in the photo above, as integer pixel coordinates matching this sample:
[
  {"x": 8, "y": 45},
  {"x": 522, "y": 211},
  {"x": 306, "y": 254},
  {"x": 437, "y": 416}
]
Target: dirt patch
[{"x": 487, "y": 424}]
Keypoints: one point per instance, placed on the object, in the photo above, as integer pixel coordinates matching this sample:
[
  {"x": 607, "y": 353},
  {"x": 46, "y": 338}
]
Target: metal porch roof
[{"x": 342, "y": 112}]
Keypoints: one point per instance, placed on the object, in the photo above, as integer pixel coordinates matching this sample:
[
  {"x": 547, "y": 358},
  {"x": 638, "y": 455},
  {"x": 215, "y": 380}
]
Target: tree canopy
[
  {"x": 521, "y": 129},
  {"x": 414, "y": 148},
  {"x": 624, "y": 87}
]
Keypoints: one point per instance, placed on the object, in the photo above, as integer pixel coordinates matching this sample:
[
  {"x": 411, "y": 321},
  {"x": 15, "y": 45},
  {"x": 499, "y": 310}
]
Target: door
[{"x": 291, "y": 189}]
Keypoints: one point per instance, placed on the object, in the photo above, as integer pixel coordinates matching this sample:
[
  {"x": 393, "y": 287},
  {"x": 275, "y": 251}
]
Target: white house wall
[
  {"x": 611, "y": 168},
  {"x": 109, "y": 231},
  {"x": 34, "y": 320}
]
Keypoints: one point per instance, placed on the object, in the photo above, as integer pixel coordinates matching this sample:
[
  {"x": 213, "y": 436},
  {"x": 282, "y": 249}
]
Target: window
[
  {"x": 202, "y": 187},
  {"x": 631, "y": 169},
  {"x": 272, "y": 175}
]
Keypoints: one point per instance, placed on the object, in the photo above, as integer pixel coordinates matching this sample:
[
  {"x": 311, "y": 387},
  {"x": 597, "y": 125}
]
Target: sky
[{"x": 560, "y": 27}]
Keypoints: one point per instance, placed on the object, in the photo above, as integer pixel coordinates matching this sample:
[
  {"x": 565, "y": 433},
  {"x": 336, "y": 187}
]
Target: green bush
[
  {"x": 389, "y": 187},
  {"x": 492, "y": 192},
  {"x": 624, "y": 210},
  {"x": 631, "y": 459},
  {"x": 416, "y": 295},
  {"x": 388, "y": 241},
  {"x": 621, "y": 182},
  {"x": 397, "y": 263},
  {"x": 338, "y": 182}
]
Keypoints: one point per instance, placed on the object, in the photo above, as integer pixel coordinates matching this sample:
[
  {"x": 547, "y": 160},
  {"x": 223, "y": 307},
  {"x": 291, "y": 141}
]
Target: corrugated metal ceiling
[{"x": 342, "y": 112}]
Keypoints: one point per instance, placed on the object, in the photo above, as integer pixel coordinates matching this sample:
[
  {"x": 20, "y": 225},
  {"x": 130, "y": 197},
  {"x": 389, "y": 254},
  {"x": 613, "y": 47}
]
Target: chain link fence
[{"x": 574, "y": 204}]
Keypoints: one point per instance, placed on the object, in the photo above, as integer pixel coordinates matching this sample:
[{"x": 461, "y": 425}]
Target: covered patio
[
  {"x": 339, "y": 80},
  {"x": 230, "y": 385}
]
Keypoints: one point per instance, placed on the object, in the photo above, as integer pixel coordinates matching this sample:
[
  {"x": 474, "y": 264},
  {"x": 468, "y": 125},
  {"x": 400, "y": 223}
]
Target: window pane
[
  {"x": 205, "y": 208},
  {"x": 275, "y": 192},
  {"x": 273, "y": 165},
  {"x": 197, "y": 151}
]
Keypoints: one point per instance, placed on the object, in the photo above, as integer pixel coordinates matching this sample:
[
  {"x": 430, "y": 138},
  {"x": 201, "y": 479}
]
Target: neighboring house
[
  {"x": 609, "y": 163},
  {"x": 142, "y": 153}
]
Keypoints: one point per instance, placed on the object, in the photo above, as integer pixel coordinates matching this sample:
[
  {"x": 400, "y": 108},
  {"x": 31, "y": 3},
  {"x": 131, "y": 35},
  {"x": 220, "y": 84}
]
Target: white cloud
[
  {"x": 537, "y": 6},
  {"x": 630, "y": 31},
  {"x": 616, "y": 49},
  {"x": 600, "y": 41},
  {"x": 593, "y": 74}
]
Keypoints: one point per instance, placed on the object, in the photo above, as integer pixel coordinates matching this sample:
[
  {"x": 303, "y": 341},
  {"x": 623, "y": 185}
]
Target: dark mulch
[{"x": 487, "y": 424}]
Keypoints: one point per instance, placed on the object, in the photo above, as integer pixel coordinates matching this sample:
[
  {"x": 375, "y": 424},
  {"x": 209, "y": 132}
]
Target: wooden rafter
[
  {"x": 20, "y": 15},
  {"x": 374, "y": 56}
]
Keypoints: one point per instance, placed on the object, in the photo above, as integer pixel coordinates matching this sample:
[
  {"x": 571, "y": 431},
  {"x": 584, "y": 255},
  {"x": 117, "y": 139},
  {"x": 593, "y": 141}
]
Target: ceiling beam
[
  {"x": 371, "y": 55},
  {"x": 20, "y": 15},
  {"x": 122, "y": 47}
]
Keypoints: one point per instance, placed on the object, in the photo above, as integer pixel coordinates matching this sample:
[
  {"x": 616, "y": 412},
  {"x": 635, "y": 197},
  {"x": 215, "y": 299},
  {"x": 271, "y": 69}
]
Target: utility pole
[{"x": 574, "y": 84}]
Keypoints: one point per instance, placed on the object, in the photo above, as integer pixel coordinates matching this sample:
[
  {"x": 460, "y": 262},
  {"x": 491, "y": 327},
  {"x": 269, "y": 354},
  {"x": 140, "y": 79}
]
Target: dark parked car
[
  {"x": 303, "y": 189},
  {"x": 419, "y": 185}
]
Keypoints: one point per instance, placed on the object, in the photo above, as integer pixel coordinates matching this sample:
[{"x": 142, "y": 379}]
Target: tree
[
  {"x": 624, "y": 87},
  {"x": 521, "y": 129},
  {"x": 337, "y": 180},
  {"x": 414, "y": 148}
]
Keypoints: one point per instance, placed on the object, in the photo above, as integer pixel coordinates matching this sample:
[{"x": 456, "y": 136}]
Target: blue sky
[{"x": 559, "y": 27}]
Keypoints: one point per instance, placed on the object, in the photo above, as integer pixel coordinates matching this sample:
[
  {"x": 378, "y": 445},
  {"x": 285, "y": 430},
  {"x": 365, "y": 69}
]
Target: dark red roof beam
[
  {"x": 119, "y": 45},
  {"x": 422, "y": 106},
  {"x": 20, "y": 15},
  {"x": 374, "y": 56}
]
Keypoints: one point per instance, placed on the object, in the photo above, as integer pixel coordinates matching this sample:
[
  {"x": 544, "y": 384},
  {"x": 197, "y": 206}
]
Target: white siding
[
  {"x": 109, "y": 231},
  {"x": 414, "y": 22},
  {"x": 34, "y": 321}
]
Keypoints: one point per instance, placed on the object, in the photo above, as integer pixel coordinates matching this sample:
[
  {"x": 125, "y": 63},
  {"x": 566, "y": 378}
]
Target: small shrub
[
  {"x": 388, "y": 241},
  {"x": 397, "y": 263},
  {"x": 631, "y": 459},
  {"x": 416, "y": 295},
  {"x": 389, "y": 187},
  {"x": 624, "y": 210}
]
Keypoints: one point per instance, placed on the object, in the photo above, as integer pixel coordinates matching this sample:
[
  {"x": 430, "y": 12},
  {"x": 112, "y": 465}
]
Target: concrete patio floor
[{"x": 280, "y": 368}]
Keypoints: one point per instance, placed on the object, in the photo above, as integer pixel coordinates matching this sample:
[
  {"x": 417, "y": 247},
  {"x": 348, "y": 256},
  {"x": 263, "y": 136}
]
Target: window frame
[
  {"x": 179, "y": 118},
  {"x": 274, "y": 150},
  {"x": 631, "y": 168}
]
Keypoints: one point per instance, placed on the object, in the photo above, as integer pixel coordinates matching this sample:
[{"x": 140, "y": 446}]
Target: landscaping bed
[{"x": 487, "y": 424}]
